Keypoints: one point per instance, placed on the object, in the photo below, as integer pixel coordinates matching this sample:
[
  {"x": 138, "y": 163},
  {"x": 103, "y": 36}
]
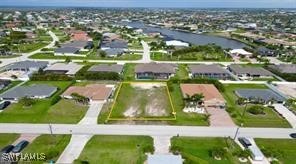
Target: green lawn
[
  {"x": 7, "y": 139},
  {"x": 282, "y": 149},
  {"x": 182, "y": 72},
  {"x": 88, "y": 57},
  {"x": 183, "y": 118},
  {"x": 116, "y": 150},
  {"x": 36, "y": 113},
  {"x": 191, "y": 57},
  {"x": 29, "y": 47},
  {"x": 270, "y": 119},
  {"x": 129, "y": 72},
  {"x": 198, "y": 150},
  {"x": 51, "y": 146},
  {"x": 65, "y": 111}
]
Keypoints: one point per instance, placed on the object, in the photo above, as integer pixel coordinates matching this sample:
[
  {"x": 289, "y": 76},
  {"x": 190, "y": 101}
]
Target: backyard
[
  {"x": 201, "y": 150},
  {"x": 281, "y": 149},
  {"x": 142, "y": 100},
  {"x": 45, "y": 110},
  {"x": 51, "y": 146},
  {"x": 269, "y": 119},
  {"x": 116, "y": 149}
]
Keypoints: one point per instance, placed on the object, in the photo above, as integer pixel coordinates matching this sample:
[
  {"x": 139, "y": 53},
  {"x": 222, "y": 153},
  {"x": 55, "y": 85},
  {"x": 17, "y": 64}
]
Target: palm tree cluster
[
  {"x": 194, "y": 100},
  {"x": 79, "y": 98}
]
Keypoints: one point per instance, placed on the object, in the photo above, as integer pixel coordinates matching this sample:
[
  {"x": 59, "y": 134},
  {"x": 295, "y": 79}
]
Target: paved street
[
  {"x": 146, "y": 52},
  {"x": 151, "y": 130}
]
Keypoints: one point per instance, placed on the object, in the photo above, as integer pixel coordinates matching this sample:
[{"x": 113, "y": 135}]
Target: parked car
[
  {"x": 4, "y": 104},
  {"x": 20, "y": 146},
  {"x": 293, "y": 135},
  {"x": 245, "y": 142},
  {"x": 7, "y": 149}
]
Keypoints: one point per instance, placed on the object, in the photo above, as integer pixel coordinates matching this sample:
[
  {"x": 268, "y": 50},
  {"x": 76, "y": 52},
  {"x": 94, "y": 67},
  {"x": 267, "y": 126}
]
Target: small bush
[{"x": 256, "y": 110}]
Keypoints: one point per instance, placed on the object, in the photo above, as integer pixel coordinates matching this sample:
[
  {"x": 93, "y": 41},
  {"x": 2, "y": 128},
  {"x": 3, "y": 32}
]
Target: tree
[
  {"x": 79, "y": 98},
  {"x": 68, "y": 59},
  {"x": 26, "y": 101}
]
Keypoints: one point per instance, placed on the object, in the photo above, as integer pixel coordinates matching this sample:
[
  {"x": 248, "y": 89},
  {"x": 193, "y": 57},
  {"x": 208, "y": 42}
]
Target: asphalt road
[{"x": 151, "y": 130}]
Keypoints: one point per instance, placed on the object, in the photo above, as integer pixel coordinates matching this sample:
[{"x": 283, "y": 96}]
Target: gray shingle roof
[
  {"x": 201, "y": 68},
  {"x": 29, "y": 91},
  {"x": 156, "y": 68},
  {"x": 264, "y": 94},
  {"x": 114, "y": 51},
  {"x": 238, "y": 69},
  {"x": 27, "y": 65},
  {"x": 106, "y": 68},
  {"x": 70, "y": 50},
  {"x": 285, "y": 68},
  {"x": 115, "y": 44},
  {"x": 76, "y": 44}
]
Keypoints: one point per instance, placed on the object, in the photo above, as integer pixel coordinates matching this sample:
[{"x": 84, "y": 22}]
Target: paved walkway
[
  {"x": 286, "y": 113},
  {"x": 220, "y": 118},
  {"x": 28, "y": 137},
  {"x": 77, "y": 142}
]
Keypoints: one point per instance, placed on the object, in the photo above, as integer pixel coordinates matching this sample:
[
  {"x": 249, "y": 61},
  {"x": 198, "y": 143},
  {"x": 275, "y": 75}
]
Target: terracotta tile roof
[
  {"x": 209, "y": 91},
  {"x": 92, "y": 91}
]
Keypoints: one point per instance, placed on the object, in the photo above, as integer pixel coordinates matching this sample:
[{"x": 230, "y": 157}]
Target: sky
[{"x": 156, "y": 3}]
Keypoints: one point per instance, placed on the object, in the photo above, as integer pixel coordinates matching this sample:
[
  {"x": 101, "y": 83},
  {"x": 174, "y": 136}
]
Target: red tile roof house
[
  {"x": 80, "y": 36},
  {"x": 94, "y": 92},
  {"x": 212, "y": 97}
]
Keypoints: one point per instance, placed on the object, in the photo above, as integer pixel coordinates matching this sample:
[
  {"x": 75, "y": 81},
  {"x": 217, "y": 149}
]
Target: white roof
[
  {"x": 240, "y": 51},
  {"x": 176, "y": 43},
  {"x": 72, "y": 68}
]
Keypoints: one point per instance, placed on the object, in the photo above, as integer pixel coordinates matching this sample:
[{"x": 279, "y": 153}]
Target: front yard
[
  {"x": 116, "y": 149},
  {"x": 44, "y": 110},
  {"x": 269, "y": 119},
  {"x": 203, "y": 150},
  {"x": 281, "y": 149},
  {"x": 7, "y": 139},
  {"x": 51, "y": 146}
]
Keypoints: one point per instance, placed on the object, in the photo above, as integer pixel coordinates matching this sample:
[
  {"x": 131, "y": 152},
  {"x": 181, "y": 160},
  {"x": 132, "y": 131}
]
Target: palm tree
[{"x": 197, "y": 99}]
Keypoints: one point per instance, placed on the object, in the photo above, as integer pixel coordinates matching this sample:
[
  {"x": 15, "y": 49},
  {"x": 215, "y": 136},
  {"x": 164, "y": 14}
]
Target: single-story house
[
  {"x": 212, "y": 97},
  {"x": 66, "y": 51},
  {"x": 264, "y": 95},
  {"x": 73, "y": 48},
  {"x": 33, "y": 91},
  {"x": 208, "y": 71},
  {"x": 240, "y": 52},
  {"x": 94, "y": 92},
  {"x": 263, "y": 51},
  {"x": 107, "y": 68},
  {"x": 155, "y": 71},
  {"x": 284, "y": 68},
  {"x": 118, "y": 44},
  {"x": 69, "y": 69},
  {"x": 112, "y": 52},
  {"x": 26, "y": 66},
  {"x": 80, "y": 36},
  {"x": 246, "y": 72},
  {"x": 164, "y": 158},
  {"x": 80, "y": 44}
]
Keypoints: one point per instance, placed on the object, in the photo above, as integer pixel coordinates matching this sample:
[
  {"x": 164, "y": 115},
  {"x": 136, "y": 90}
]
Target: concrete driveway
[{"x": 219, "y": 118}]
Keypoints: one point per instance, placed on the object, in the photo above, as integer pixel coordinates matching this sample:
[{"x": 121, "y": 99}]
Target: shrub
[
  {"x": 256, "y": 110},
  {"x": 26, "y": 101},
  {"x": 55, "y": 99},
  {"x": 219, "y": 152}
]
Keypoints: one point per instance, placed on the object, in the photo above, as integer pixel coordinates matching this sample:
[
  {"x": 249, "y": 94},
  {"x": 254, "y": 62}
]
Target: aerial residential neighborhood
[{"x": 148, "y": 82}]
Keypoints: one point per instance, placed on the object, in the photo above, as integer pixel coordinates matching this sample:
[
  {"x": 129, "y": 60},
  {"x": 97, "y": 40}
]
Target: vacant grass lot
[
  {"x": 196, "y": 56},
  {"x": 29, "y": 47},
  {"x": 282, "y": 149},
  {"x": 198, "y": 150},
  {"x": 38, "y": 112},
  {"x": 116, "y": 149},
  {"x": 7, "y": 139},
  {"x": 51, "y": 145},
  {"x": 270, "y": 119},
  {"x": 88, "y": 57},
  {"x": 140, "y": 100}
]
